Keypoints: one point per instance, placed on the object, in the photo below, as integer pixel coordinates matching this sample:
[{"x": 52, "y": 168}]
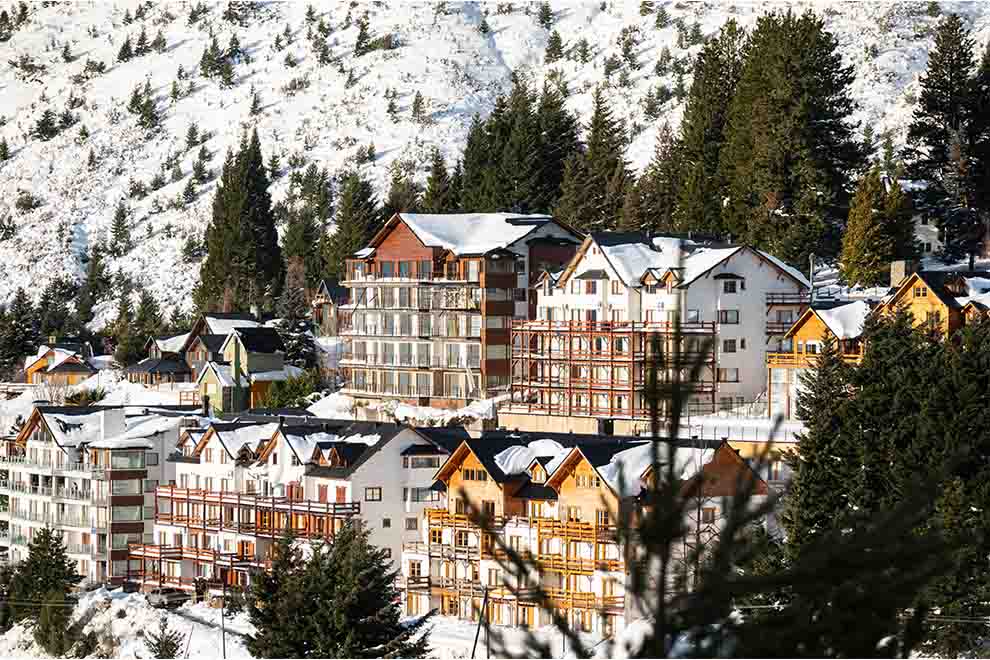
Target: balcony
[
  {"x": 778, "y": 327},
  {"x": 803, "y": 298},
  {"x": 804, "y": 360}
]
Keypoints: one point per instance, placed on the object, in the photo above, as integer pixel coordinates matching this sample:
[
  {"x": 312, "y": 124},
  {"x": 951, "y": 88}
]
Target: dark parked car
[{"x": 167, "y": 597}]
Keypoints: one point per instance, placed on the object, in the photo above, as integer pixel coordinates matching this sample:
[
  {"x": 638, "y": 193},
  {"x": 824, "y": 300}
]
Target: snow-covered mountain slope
[{"x": 441, "y": 54}]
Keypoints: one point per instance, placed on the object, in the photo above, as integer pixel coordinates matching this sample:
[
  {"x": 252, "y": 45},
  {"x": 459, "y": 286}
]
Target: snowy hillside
[{"x": 441, "y": 53}]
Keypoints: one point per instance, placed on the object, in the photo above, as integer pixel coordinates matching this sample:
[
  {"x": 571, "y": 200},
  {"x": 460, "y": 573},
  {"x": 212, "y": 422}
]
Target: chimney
[
  {"x": 111, "y": 422},
  {"x": 901, "y": 269},
  {"x": 52, "y": 339},
  {"x": 256, "y": 312}
]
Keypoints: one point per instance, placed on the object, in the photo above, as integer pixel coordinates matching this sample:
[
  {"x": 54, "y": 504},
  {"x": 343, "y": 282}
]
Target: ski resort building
[
  {"x": 432, "y": 299},
  {"x": 626, "y": 300},
  {"x": 90, "y": 473},
  {"x": 840, "y": 320},
  {"x": 240, "y": 486},
  {"x": 554, "y": 499}
]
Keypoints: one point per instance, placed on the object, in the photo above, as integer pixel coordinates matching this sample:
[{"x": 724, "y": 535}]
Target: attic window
[
  {"x": 274, "y": 459},
  {"x": 472, "y": 474},
  {"x": 920, "y": 292},
  {"x": 538, "y": 475}
]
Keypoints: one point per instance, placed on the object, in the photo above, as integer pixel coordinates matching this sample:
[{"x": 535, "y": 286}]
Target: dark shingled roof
[
  {"x": 212, "y": 342},
  {"x": 261, "y": 340},
  {"x": 595, "y": 274},
  {"x": 158, "y": 366},
  {"x": 386, "y": 433},
  {"x": 533, "y": 491},
  {"x": 448, "y": 437}
]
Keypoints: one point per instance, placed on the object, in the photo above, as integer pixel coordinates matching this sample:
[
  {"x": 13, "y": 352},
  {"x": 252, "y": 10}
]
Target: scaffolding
[{"x": 600, "y": 368}]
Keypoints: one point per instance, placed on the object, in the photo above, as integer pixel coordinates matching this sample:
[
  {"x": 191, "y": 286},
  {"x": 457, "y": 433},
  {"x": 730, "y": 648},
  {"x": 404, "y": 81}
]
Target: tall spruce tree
[
  {"x": 658, "y": 187},
  {"x": 95, "y": 285},
  {"x": 20, "y": 335},
  {"x": 356, "y": 220},
  {"x": 593, "y": 190},
  {"x": 300, "y": 245},
  {"x": 559, "y": 139},
  {"x": 295, "y": 324},
  {"x": 948, "y": 137},
  {"x": 515, "y": 177},
  {"x": 243, "y": 266},
  {"x": 436, "y": 198},
  {"x": 818, "y": 493},
  {"x": 166, "y": 642},
  {"x": 789, "y": 147},
  {"x": 148, "y": 320},
  {"x": 716, "y": 73},
  {"x": 403, "y": 194},
  {"x": 47, "y": 575},
  {"x": 130, "y": 341},
  {"x": 276, "y": 603},
  {"x": 120, "y": 233},
  {"x": 867, "y": 246},
  {"x": 475, "y": 161}
]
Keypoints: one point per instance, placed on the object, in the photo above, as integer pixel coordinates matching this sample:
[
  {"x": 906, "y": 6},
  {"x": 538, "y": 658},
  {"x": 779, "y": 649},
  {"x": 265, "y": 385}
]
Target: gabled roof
[
  {"x": 257, "y": 340},
  {"x": 224, "y": 373},
  {"x": 370, "y": 437},
  {"x": 464, "y": 233},
  {"x": 158, "y": 366},
  {"x": 222, "y": 323},
  {"x": 843, "y": 318},
  {"x": 330, "y": 289},
  {"x": 233, "y": 436},
  {"x": 939, "y": 283},
  {"x": 211, "y": 343}
]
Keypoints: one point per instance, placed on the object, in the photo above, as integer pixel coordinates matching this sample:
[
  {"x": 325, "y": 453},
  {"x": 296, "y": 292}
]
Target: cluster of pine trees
[
  {"x": 340, "y": 602},
  {"x": 913, "y": 413}
]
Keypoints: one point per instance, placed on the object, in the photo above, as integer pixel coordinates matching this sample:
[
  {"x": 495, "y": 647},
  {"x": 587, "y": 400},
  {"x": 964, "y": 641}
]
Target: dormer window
[{"x": 538, "y": 475}]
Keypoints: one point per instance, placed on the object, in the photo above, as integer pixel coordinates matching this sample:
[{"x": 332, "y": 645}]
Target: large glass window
[
  {"x": 125, "y": 513},
  {"x": 126, "y": 460},
  {"x": 125, "y": 487}
]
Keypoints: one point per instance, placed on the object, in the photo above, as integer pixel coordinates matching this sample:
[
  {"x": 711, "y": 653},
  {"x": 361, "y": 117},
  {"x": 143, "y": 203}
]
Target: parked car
[{"x": 167, "y": 597}]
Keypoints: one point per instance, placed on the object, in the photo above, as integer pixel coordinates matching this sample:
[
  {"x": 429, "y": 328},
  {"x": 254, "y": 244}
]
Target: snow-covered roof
[
  {"x": 140, "y": 432},
  {"x": 224, "y": 373},
  {"x": 234, "y": 436},
  {"x": 71, "y": 430},
  {"x": 287, "y": 372},
  {"x": 364, "y": 253},
  {"x": 845, "y": 321},
  {"x": 224, "y": 326},
  {"x": 472, "y": 233},
  {"x": 172, "y": 344},
  {"x": 624, "y": 469},
  {"x": 516, "y": 459},
  {"x": 631, "y": 260}
]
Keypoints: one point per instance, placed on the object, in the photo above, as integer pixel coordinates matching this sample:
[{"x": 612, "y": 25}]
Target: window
[
  {"x": 728, "y": 345},
  {"x": 730, "y": 316},
  {"x": 573, "y": 514},
  {"x": 591, "y": 286},
  {"x": 461, "y": 538},
  {"x": 125, "y": 487},
  {"x": 601, "y": 517},
  {"x": 126, "y": 513},
  {"x": 386, "y": 523},
  {"x": 728, "y": 375},
  {"x": 742, "y": 344},
  {"x": 372, "y": 494},
  {"x": 693, "y": 316},
  {"x": 274, "y": 458},
  {"x": 386, "y": 268},
  {"x": 708, "y": 515},
  {"x": 725, "y": 404},
  {"x": 488, "y": 508},
  {"x": 223, "y": 457},
  {"x": 494, "y": 577},
  {"x": 412, "y": 524},
  {"x": 472, "y": 474},
  {"x": 150, "y": 485},
  {"x": 129, "y": 460},
  {"x": 295, "y": 460},
  {"x": 729, "y": 286},
  {"x": 149, "y": 512},
  {"x": 587, "y": 481},
  {"x": 405, "y": 269},
  {"x": 920, "y": 292},
  {"x": 415, "y": 569},
  {"x": 538, "y": 475},
  {"x": 208, "y": 455},
  {"x": 616, "y": 287}
]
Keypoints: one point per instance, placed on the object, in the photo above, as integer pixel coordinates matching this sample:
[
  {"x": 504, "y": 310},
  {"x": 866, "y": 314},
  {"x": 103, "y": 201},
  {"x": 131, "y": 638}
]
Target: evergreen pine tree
[
  {"x": 716, "y": 73},
  {"x": 94, "y": 285},
  {"x": 126, "y": 51},
  {"x": 867, "y": 248},
  {"x": 357, "y": 219},
  {"x": 363, "y": 37},
  {"x": 46, "y": 576},
  {"x": 295, "y": 325},
  {"x": 403, "y": 194},
  {"x": 593, "y": 190},
  {"x": 663, "y": 18},
  {"x": 142, "y": 47},
  {"x": 20, "y": 336},
  {"x": 545, "y": 15},
  {"x": 148, "y": 321},
  {"x": 559, "y": 139},
  {"x": 824, "y": 462},
  {"x": 276, "y": 602},
  {"x": 392, "y": 110},
  {"x": 583, "y": 50},
  {"x": 47, "y": 127},
  {"x": 658, "y": 186},
  {"x": 120, "y": 233},
  {"x": 785, "y": 164},
  {"x": 226, "y": 72},
  {"x": 165, "y": 643},
  {"x": 158, "y": 44},
  {"x": 436, "y": 198},
  {"x": 300, "y": 244},
  {"x": 192, "y": 135},
  {"x": 483, "y": 26},
  {"x": 255, "y": 102},
  {"x": 4, "y": 149},
  {"x": 189, "y": 190},
  {"x": 417, "y": 107},
  {"x": 67, "y": 53},
  {"x": 475, "y": 161},
  {"x": 53, "y": 313},
  {"x": 555, "y": 48}
]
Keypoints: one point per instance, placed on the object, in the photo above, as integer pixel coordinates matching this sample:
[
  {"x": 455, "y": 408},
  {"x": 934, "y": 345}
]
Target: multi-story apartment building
[
  {"x": 584, "y": 359},
  {"x": 554, "y": 500},
  {"x": 240, "y": 486},
  {"x": 91, "y": 474},
  {"x": 432, "y": 298}
]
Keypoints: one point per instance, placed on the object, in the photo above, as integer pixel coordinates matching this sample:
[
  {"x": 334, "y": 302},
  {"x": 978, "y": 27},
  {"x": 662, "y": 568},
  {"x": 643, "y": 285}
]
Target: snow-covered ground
[
  {"x": 442, "y": 54},
  {"x": 122, "y": 621}
]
